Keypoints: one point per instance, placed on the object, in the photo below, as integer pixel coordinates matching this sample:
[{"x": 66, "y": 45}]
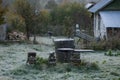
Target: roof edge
[{"x": 90, "y": 10}]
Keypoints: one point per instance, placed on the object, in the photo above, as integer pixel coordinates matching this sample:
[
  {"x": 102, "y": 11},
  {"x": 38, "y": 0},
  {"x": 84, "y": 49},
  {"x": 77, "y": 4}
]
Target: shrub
[
  {"x": 83, "y": 63},
  {"x": 88, "y": 65},
  {"x": 112, "y": 43},
  {"x": 98, "y": 45},
  {"x": 40, "y": 60},
  {"x": 94, "y": 66},
  {"x": 104, "y": 62},
  {"x": 110, "y": 53}
]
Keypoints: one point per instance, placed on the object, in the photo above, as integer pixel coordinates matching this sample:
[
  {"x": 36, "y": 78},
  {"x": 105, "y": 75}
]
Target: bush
[
  {"x": 88, "y": 65},
  {"x": 111, "y": 53},
  {"x": 40, "y": 62},
  {"x": 94, "y": 66},
  {"x": 83, "y": 63},
  {"x": 113, "y": 44},
  {"x": 104, "y": 62}
]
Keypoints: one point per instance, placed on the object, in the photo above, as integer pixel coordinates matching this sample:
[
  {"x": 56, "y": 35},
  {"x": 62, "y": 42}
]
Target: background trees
[
  {"x": 26, "y": 11},
  {"x": 70, "y": 14},
  {"x": 44, "y": 21},
  {"x": 15, "y": 21},
  {"x": 61, "y": 19},
  {"x": 23, "y": 15},
  {"x": 51, "y": 4},
  {"x": 1, "y": 13}
]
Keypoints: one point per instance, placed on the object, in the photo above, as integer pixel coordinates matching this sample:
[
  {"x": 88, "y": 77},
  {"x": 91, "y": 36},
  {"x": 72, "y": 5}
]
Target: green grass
[{"x": 19, "y": 71}]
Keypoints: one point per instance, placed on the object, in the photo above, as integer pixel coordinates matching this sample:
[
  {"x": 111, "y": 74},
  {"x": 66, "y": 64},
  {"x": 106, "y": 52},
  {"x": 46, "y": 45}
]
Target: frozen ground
[{"x": 13, "y": 64}]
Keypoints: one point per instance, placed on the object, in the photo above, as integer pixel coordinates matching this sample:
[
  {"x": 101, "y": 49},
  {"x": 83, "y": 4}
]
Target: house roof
[
  {"x": 101, "y": 4},
  {"x": 89, "y": 5},
  {"x": 111, "y": 18}
]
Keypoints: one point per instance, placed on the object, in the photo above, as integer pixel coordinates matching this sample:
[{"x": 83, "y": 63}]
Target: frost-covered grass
[{"x": 13, "y": 64}]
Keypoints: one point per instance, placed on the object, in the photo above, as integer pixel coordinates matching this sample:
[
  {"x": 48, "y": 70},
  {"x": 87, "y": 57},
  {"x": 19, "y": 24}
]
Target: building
[{"x": 106, "y": 16}]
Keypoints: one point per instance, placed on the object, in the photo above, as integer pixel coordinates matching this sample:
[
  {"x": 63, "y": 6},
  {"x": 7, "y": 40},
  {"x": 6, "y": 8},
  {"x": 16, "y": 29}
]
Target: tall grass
[{"x": 112, "y": 43}]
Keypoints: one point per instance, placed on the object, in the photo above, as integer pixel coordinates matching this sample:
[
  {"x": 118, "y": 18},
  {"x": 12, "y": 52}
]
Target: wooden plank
[
  {"x": 75, "y": 50},
  {"x": 82, "y": 50},
  {"x": 65, "y": 39},
  {"x": 65, "y": 49}
]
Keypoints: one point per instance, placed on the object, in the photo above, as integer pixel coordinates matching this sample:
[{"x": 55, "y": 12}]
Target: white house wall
[
  {"x": 96, "y": 26},
  {"x": 103, "y": 31},
  {"x": 99, "y": 27}
]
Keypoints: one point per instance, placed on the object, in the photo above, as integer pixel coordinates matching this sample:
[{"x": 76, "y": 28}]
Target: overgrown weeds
[
  {"x": 89, "y": 65},
  {"x": 112, "y": 53},
  {"x": 112, "y": 43},
  {"x": 40, "y": 62}
]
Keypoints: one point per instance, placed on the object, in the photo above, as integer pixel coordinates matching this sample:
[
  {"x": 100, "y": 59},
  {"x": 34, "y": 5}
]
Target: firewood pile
[{"x": 16, "y": 36}]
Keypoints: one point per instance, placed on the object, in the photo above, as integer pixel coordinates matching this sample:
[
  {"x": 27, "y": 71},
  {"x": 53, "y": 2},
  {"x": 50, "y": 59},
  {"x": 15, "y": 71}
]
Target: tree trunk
[
  {"x": 27, "y": 32},
  {"x": 34, "y": 40}
]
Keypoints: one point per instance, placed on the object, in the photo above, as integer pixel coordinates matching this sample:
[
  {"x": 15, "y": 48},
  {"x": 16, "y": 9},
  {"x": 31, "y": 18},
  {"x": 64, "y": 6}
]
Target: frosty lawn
[{"x": 13, "y": 64}]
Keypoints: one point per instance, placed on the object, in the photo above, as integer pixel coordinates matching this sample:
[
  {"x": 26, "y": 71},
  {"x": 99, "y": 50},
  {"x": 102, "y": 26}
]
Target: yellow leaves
[
  {"x": 11, "y": 16},
  {"x": 44, "y": 15},
  {"x": 15, "y": 21}
]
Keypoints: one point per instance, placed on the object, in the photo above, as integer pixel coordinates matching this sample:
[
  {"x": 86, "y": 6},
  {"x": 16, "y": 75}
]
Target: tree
[
  {"x": 27, "y": 12},
  {"x": 70, "y": 14},
  {"x": 51, "y": 4},
  {"x": 44, "y": 19},
  {"x": 26, "y": 15},
  {"x": 1, "y": 13},
  {"x": 15, "y": 21}
]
